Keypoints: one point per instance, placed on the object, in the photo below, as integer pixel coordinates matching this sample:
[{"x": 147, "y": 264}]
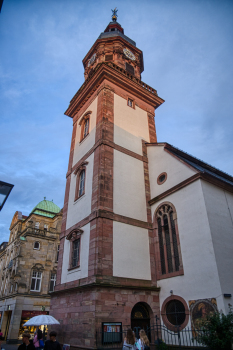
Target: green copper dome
[{"x": 46, "y": 208}]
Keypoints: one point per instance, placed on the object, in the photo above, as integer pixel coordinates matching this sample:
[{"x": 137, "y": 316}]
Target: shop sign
[
  {"x": 112, "y": 332},
  {"x": 30, "y": 314}
]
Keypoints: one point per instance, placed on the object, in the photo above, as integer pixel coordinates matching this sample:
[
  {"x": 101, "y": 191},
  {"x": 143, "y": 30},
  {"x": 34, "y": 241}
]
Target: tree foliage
[{"x": 217, "y": 331}]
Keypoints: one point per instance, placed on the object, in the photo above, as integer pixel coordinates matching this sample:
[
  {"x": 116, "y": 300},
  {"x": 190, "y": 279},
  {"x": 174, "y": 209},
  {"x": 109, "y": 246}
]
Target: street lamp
[{"x": 5, "y": 190}]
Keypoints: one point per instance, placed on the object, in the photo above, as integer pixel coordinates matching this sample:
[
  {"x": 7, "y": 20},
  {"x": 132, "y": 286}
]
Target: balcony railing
[{"x": 39, "y": 232}]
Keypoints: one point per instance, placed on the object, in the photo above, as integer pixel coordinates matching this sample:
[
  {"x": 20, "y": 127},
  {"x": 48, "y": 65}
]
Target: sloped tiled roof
[{"x": 199, "y": 164}]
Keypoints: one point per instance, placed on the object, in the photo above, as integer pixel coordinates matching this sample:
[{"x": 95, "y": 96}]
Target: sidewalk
[{"x": 10, "y": 346}]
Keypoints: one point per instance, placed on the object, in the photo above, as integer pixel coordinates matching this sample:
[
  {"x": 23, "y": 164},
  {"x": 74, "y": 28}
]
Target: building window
[
  {"x": 86, "y": 127},
  {"x": 130, "y": 102},
  {"x": 11, "y": 288},
  {"x": 36, "y": 281},
  {"x": 58, "y": 248},
  {"x": 175, "y": 313},
  {"x": 80, "y": 181},
  {"x": 129, "y": 68},
  {"x": 36, "y": 245},
  {"x": 75, "y": 241},
  {"x": 16, "y": 287},
  {"x": 75, "y": 255},
  {"x": 85, "y": 124},
  {"x": 161, "y": 178},
  {"x": 37, "y": 225},
  {"x": 52, "y": 282},
  {"x": 168, "y": 247},
  {"x": 45, "y": 227}
]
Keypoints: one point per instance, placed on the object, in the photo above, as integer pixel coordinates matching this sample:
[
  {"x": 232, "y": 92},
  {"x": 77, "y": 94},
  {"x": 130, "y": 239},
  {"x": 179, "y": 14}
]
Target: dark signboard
[
  {"x": 112, "y": 332},
  {"x": 30, "y": 314}
]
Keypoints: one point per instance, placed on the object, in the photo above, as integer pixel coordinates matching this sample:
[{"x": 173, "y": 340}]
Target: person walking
[
  {"x": 27, "y": 345},
  {"x": 36, "y": 341},
  {"x": 52, "y": 343},
  {"x": 129, "y": 341},
  {"x": 144, "y": 341}
]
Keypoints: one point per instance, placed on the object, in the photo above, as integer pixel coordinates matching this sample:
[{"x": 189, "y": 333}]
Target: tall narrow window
[
  {"x": 170, "y": 261},
  {"x": 58, "y": 248},
  {"x": 81, "y": 183},
  {"x": 52, "y": 282},
  {"x": 86, "y": 127},
  {"x": 36, "y": 281},
  {"x": 80, "y": 180},
  {"x": 75, "y": 257}
]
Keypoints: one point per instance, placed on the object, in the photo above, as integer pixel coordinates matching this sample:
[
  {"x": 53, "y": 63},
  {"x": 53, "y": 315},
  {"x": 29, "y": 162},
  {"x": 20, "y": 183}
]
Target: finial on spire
[{"x": 114, "y": 14}]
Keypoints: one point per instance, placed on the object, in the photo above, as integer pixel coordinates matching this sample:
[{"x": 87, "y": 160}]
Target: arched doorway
[{"x": 140, "y": 318}]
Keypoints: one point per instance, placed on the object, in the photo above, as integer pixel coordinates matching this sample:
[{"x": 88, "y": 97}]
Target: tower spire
[{"x": 114, "y": 15}]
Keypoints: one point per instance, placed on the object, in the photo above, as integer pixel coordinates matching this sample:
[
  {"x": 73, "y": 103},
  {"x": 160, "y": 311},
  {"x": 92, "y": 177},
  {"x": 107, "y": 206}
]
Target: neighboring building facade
[
  {"x": 28, "y": 267},
  {"x": 147, "y": 229}
]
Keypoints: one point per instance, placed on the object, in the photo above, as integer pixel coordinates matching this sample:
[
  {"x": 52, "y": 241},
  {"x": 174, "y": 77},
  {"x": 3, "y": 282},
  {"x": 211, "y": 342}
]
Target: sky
[{"x": 187, "y": 47}]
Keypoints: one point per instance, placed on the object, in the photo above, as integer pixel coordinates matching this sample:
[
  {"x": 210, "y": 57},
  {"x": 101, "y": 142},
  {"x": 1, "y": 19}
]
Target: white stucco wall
[
  {"x": 219, "y": 205},
  {"x": 200, "y": 279},
  {"x": 129, "y": 198},
  {"x": 161, "y": 161},
  {"x": 82, "y": 148},
  {"x": 130, "y": 125},
  {"x": 82, "y": 271},
  {"x": 81, "y": 208},
  {"x": 131, "y": 257}
]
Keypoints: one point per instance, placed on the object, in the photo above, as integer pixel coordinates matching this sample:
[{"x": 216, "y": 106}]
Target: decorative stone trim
[
  {"x": 74, "y": 234},
  {"x": 164, "y": 316},
  {"x": 161, "y": 178}
]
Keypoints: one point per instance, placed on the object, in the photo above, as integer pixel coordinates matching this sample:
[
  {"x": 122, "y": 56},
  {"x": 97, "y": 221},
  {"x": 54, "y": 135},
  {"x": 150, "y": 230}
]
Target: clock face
[
  {"x": 91, "y": 60},
  {"x": 129, "y": 54}
]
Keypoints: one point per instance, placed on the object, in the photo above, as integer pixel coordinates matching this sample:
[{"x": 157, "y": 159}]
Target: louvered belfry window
[{"x": 167, "y": 237}]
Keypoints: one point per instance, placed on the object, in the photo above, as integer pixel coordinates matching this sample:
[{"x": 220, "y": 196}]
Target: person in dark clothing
[
  {"x": 52, "y": 344},
  {"x": 27, "y": 345},
  {"x": 39, "y": 334}
]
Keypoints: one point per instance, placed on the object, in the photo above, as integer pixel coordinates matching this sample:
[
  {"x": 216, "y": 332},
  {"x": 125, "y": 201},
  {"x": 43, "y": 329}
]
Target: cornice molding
[{"x": 117, "y": 76}]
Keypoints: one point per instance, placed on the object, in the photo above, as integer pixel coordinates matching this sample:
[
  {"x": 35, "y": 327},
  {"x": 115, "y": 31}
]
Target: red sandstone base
[{"x": 82, "y": 311}]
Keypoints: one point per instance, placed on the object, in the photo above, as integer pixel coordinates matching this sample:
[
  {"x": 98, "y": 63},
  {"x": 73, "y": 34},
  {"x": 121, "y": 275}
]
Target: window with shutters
[
  {"x": 129, "y": 68},
  {"x": 169, "y": 261}
]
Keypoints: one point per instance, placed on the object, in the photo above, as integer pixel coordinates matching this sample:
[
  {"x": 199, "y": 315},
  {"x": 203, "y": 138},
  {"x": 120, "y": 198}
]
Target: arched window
[
  {"x": 168, "y": 248},
  {"x": 80, "y": 173},
  {"x": 16, "y": 287},
  {"x": 36, "y": 245},
  {"x": 85, "y": 124}
]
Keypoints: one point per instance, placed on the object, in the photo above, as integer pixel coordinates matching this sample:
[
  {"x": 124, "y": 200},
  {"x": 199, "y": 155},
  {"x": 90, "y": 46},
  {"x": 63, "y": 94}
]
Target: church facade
[{"x": 147, "y": 229}]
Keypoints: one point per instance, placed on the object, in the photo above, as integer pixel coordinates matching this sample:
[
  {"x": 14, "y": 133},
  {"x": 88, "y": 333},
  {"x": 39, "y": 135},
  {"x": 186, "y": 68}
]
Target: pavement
[{"x": 10, "y": 346}]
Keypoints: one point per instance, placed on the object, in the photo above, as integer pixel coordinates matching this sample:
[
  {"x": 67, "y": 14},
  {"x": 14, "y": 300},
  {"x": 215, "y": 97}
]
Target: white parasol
[{"x": 41, "y": 320}]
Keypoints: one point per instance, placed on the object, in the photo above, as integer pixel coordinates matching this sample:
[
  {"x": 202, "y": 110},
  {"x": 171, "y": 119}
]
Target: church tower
[{"x": 106, "y": 270}]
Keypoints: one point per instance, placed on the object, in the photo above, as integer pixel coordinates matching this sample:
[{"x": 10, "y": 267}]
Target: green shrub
[{"x": 217, "y": 331}]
